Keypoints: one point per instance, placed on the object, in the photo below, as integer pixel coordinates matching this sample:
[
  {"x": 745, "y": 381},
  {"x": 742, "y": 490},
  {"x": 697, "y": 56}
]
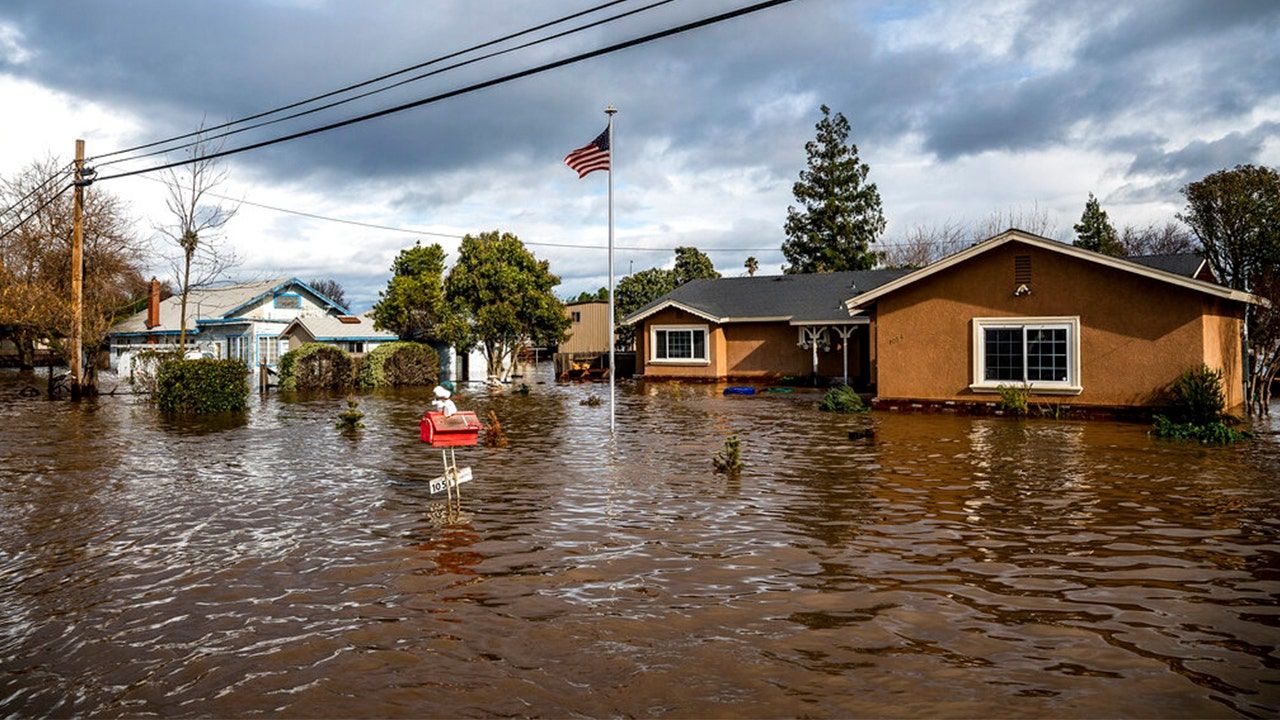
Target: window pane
[
  {"x": 660, "y": 345},
  {"x": 699, "y": 345},
  {"x": 1002, "y": 353},
  {"x": 1047, "y": 354},
  {"x": 679, "y": 344}
]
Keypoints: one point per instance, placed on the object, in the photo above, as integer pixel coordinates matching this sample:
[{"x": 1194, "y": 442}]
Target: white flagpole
[{"x": 612, "y": 337}]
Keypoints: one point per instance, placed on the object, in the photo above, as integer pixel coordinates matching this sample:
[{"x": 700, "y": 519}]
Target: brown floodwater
[{"x": 952, "y": 566}]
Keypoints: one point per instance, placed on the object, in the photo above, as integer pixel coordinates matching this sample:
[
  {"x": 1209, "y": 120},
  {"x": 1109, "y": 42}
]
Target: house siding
[
  {"x": 1136, "y": 334},
  {"x": 591, "y": 333}
]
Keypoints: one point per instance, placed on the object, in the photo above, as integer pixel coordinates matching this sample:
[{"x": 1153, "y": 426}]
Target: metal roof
[
  {"x": 813, "y": 297},
  {"x": 331, "y": 328}
]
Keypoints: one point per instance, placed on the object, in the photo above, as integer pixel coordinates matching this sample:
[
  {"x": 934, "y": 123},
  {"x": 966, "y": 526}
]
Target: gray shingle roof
[
  {"x": 203, "y": 304},
  {"x": 817, "y": 297},
  {"x": 1184, "y": 264},
  {"x": 329, "y": 327}
]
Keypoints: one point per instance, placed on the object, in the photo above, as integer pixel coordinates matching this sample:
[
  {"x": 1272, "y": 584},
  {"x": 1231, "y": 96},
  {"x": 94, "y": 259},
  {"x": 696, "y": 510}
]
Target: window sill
[
  {"x": 695, "y": 362},
  {"x": 1033, "y": 388}
]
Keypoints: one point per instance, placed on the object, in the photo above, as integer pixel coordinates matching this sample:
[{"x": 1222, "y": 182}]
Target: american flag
[{"x": 590, "y": 157}]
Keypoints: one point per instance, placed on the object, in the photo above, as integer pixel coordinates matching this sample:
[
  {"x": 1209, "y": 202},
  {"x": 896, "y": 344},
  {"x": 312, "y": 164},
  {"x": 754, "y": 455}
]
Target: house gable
[{"x": 1045, "y": 244}]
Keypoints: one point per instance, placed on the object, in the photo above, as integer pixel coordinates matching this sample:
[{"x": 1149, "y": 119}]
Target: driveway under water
[{"x": 951, "y": 566}]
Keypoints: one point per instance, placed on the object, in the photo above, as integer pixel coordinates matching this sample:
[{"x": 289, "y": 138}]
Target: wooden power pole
[{"x": 77, "y": 274}]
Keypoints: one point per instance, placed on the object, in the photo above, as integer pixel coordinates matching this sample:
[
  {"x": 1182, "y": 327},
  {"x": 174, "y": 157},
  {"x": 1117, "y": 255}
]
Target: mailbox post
[{"x": 458, "y": 430}]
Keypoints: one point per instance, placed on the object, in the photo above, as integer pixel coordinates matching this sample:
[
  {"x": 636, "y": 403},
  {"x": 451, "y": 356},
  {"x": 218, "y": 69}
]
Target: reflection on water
[{"x": 951, "y": 566}]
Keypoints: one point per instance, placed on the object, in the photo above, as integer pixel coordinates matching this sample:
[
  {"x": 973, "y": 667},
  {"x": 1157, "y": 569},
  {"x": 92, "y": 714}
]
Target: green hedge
[
  {"x": 842, "y": 399},
  {"x": 315, "y": 366},
  {"x": 202, "y": 386},
  {"x": 400, "y": 363}
]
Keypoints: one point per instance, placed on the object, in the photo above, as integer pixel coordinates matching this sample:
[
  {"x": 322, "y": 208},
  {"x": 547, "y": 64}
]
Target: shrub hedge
[
  {"x": 400, "y": 363},
  {"x": 202, "y": 386},
  {"x": 316, "y": 366},
  {"x": 843, "y": 399}
]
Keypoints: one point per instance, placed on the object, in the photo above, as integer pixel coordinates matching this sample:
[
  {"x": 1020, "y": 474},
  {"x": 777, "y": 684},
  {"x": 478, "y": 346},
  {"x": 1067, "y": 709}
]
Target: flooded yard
[{"x": 951, "y": 566}]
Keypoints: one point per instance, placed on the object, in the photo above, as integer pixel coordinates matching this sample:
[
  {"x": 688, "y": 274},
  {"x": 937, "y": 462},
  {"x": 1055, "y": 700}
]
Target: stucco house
[
  {"x": 1016, "y": 309},
  {"x": 353, "y": 333},
  {"x": 241, "y": 321}
]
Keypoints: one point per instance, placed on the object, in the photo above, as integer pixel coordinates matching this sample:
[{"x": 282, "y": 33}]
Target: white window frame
[
  {"x": 1071, "y": 386},
  {"x": 653, "y": 344}
]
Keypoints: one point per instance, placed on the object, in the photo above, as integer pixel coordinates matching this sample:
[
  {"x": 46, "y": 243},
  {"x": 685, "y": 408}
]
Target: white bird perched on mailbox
[{"x": 442, "y": 403}]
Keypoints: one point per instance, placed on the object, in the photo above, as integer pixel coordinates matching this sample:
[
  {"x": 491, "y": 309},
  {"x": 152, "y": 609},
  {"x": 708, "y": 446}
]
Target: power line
[
  {"x": 62, "y": 172},
  {"x": 35, "y": 212},
  {"x": 364, "y": 83},
  {"x": 453, "y": 236},
  {"x": 200, "y": 139},
  {"x": 468, "y": 89}
]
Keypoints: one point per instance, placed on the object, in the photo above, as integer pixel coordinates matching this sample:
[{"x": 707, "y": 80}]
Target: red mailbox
[{"x": 457, "y": 430}]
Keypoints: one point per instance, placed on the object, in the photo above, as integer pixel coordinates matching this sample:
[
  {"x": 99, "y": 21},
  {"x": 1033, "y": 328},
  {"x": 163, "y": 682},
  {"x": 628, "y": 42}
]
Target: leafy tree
[
  {"x": 1095, "y": 232},
  {"x": 840, "y": 215},
  {"x": 692, "y": 264},
  {"x": 505, "y": 296},
  {"x": 637, "y": 290},
  {"x": 601, "y": 295},
  {"x": 751, "y": 265},
  {"x": 1235, "y": 215},
  {"x": 414, "y": 305},
  {"x": 331, "y": 289}
]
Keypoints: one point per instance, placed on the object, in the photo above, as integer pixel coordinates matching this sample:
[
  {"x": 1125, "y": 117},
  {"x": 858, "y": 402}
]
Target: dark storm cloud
[
  {"x": 703, "y": 93},
  {"x": 1201, "y": 56}
]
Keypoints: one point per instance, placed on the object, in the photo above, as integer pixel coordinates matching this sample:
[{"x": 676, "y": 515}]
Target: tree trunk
[
  {"x": 26, "y": 351},
  {"x": 186, "y": 290}
]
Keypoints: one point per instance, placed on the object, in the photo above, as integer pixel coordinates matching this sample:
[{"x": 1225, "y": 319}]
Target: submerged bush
[
  {"x": 202, "y": 386},
  {"x": 1014, "y": 399},
  {"x": 400, "y": 363},
  {"x": 315, "y": 366},
  {"x": 1197, "y": 396},
  {"x": 350, "y": 418},
  {"x": 1214, "y": 433},
  {"x": 842, "y": 399},
  {"x": 728, "y": 460}
]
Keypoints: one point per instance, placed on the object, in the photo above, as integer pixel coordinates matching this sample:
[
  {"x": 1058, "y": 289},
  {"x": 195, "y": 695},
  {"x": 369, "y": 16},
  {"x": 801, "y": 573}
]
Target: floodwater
[{"x": 975, "y": 567}]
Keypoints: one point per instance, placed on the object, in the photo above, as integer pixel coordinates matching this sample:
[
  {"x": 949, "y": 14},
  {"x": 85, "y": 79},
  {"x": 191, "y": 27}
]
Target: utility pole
[{"x": 77, "y": 273}]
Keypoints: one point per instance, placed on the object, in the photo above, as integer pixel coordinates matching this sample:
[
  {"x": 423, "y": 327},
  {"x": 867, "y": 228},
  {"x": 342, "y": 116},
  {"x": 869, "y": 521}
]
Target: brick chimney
[{"x": 153, "y": 305}]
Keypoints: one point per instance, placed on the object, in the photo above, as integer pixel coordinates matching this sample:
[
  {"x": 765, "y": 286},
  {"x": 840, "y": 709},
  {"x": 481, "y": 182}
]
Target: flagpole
[{"x": 613, "y": 158}]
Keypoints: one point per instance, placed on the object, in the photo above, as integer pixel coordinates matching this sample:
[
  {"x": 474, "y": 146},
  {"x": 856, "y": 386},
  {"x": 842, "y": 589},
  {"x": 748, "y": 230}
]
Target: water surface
[{"x": 270, "y": 565}]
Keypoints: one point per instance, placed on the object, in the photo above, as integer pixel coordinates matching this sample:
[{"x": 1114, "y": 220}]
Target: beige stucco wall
[
  {"x": 1136, "y": 334},
  {"x": 1222, "y": 348},
  {"x": 297, "y": 337},
  {"x": 745, "y": 350}
]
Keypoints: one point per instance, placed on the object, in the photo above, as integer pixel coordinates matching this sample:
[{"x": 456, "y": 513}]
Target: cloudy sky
[{"x": 961, "y": 108}]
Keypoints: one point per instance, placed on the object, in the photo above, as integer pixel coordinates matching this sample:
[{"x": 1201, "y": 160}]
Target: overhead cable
[
  {"x": 465, "y": 90},
  {"x": 364, "y": 83}
]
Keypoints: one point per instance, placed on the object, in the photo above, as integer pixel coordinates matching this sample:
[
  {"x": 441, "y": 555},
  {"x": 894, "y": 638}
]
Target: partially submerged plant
[
  {"x": 494, "y": 437},
  {"x": 591, "y": 401},
  {"x": 728, "y": 460},
  {"x": 842, "y": 399},
  {"x": 1014, "y": 399},
  {"x": 522, "y": 390},
  {"x": 350, "y": 418},
  {"x": 1214, "y": 433}
]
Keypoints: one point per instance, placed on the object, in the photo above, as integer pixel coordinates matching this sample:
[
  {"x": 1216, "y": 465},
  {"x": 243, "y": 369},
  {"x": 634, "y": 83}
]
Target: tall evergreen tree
[
  {"x": 1095, "y": 231},
  {"x": 839, "y": 215}
]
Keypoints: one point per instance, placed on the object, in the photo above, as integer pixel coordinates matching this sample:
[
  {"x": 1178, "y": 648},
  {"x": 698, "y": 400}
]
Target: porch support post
[{"x": 845, "y": 332}]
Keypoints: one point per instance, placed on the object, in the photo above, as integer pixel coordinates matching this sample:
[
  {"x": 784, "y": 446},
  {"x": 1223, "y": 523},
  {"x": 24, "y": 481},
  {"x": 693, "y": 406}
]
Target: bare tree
[
  {"x": 1170, "y": 238},
  {"x": 1034, "y": 219},
  {"x": 197, "y": 221},
  {"x": 331, "y": 289},
  {"x": 925, "y": 244},
  {"x": 35, "y": 266}
]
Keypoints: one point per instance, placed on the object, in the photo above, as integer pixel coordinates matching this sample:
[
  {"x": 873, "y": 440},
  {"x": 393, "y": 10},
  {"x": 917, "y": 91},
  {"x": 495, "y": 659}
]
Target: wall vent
[{"x": 1022, "y": 270}]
